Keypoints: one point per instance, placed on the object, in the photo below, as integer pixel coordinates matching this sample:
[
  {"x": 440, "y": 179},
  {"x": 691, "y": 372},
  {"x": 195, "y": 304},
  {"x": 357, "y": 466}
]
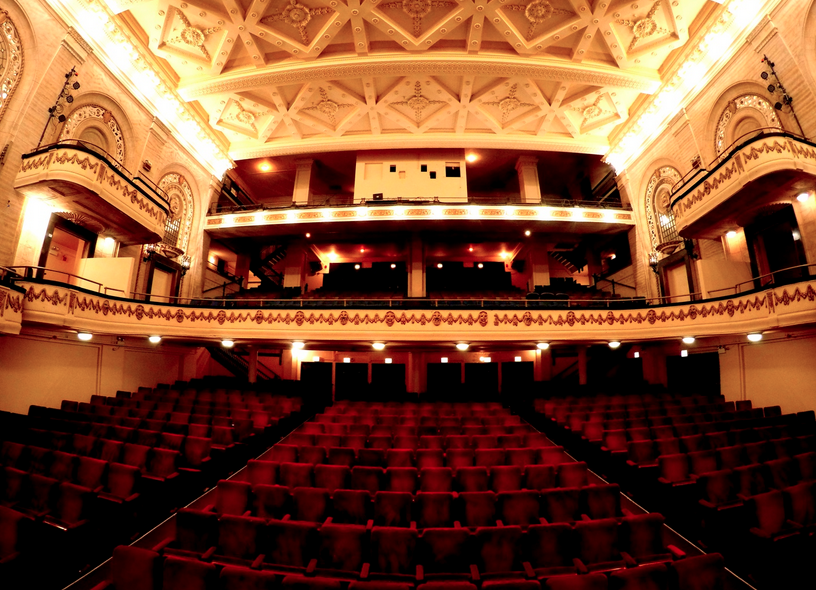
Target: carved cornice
[{"x": 409, "y": 65}]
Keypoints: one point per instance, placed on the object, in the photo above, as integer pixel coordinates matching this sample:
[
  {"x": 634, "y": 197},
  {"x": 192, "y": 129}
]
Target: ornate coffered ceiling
[{"x": 295, "y": 76}]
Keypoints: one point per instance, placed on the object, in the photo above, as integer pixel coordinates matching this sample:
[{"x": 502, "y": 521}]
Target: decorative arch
[
  {"x": 11, "y": 60},
  {"x": 99, "y": 121},
  {"x": 659, "y": 215},
  {"x": 180, "y": 220},
  {"x": 744, "y": 109}
]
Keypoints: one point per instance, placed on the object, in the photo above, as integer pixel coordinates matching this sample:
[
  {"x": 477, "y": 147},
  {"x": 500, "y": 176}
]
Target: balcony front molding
[
  {"x": 75, "y": 165},
  {"x": 71, "y": 308},
  {"x": 11, "y": 310},
  {"x": 760, "y": 156}
]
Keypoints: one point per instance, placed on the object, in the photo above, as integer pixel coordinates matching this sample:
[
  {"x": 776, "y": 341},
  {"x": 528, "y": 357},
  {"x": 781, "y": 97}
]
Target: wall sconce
[
  {"x": 653, "y": 260},
  {"x": 185, "y": 264},
  {"x": 148, "y": 250}
]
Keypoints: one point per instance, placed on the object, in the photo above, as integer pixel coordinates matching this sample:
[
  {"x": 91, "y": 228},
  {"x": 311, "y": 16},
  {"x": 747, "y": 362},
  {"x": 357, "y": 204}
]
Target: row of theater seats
[
  {"x": 498, "y": 478},
  {"x": 143, "y": 569},
  {"x": 409, "y": 456},
  {"x": 503, "y": 437},
  {"x": 414, "y": 408},
  {"x": 734, "y": 481},
  {"x": 219, "y": 396},
  {"x": 422, "y": 509},
  {"x": 556, "y": 407}
]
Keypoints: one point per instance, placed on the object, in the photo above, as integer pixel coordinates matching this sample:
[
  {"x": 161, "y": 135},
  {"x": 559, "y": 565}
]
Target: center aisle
[{"x": 412, "y": 495}]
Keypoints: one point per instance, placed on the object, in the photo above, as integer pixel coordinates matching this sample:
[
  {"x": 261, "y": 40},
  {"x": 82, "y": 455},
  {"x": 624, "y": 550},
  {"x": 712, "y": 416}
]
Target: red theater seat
[
  {"x": 430, "y": 458},
  {"x": 539, "y": 477},
  {"x": 270, "y": 501},
  {"x": 331, "y": 477},
  {"x": 601, "y": 501},
  {"x": 445, "y": 552},
  {"x": 598, "y": 546},
  {"x": 367, "y": 478},
  {"x": 401, "y": 479},
  {"x": 298, "y": 582},
  {"x": 243, "y": 578},
  {"x": 263, "y": 472},
  {"x": 497, "y": 549},
  {"x": 653, "y": 576},
  {"x": 478, "y": 509},
  {"x": 311, "y": 454},
  {"x": 393, "y": 508},
  {"x": 456, "y": 458},
  {"x": 188, "y": 574},
  {"x": 560, "y": 504},
  {"x": 399, "y": 458},
  {"x": 518, "y": 508},
  {"x": 310, "y": 504},
  {"x": 434, "y": 509},
  {"x": 393, "y": 551},
  {"x": 351, "y": 506},
  {"x": 342, "y": 548},
  {"x": 550, "y": 548},
  {"x": 232, "y": 497},
  {"x": 295, "y": 475},
  {"x": 290, "y": 543},
  {"x": 703, "y": 572},
  {"x": 472, "y": 479},
  {"x": 240, "y": 537}
]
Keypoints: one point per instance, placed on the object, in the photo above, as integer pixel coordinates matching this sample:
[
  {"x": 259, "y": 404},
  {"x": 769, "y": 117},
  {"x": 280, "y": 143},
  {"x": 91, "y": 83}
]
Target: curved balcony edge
[{"x": 68, "y": 307}]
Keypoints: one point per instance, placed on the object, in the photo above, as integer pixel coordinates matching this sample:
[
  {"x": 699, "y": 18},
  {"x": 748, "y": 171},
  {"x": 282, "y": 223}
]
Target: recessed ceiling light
[
  {"x": 688, "y": 340},
  {"x": 154, "y": 339},
  {"x": 802, "y": 197},
  {"x": 265, "y": 167},
  {"x": 527, "y": 233},
  {"x": 439, "y": 265},
  {"x": 227, "y": 343},
  {"x": 504, "y": 254},
  {"x": 308, "y": 235},
  {"x": 614, "y": 344},
  {"x": 480, "y": 265},
  {"x": 378, "y": 345},
  {"x": 755, "y": 337},
  {"x": 470, "y": 249},
  {"x": 332, "y": 255},
  {"x": 362, "y": 250},
  {"x": 393, "y": 265},
  {"x": 462, "y": 346},
  {"x": 356, "y": 267},
  {"x": 471, "y": 157},
  {"x": 84, "y": 336},
  {"x": 297, "y": 345},
  {"x": 543, "y": 345},
  {"x": 731, "y": 234}
]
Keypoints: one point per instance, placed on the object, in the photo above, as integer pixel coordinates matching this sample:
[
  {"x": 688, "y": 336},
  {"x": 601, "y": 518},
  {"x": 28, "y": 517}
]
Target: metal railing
[
  {"x": 479, "y": 201},
  {"x": 555, "y": 300},
  {"x": 95, "y": 150},
  {"x": 729, "y": 151}
]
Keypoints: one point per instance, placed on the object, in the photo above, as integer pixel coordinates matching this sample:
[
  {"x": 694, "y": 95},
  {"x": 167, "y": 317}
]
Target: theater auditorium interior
[{"x": 407, "y": 294}]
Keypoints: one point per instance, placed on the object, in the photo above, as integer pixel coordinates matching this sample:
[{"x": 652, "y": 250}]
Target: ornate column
[{"x": 527, "y": 167}]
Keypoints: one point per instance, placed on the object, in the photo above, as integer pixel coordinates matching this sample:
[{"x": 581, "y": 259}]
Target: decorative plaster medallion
[
  {"x": 537, "y": 12},
  {"x": 297, "y": 15},
  {"x": 418, "y": 103},
  {"x": 327, "y": 106},
  {"x": 509, "y": 103},
  {"x": 643, "y": 28},
  {"x": 418, "y": 9},
  {"x": 193, "y": 36}
]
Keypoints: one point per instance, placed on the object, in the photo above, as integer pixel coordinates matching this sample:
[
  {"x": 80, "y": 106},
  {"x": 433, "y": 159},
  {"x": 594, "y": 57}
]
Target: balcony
[
  {"x": 769, "y": 166},
  {"x": 80, "y": 177}
]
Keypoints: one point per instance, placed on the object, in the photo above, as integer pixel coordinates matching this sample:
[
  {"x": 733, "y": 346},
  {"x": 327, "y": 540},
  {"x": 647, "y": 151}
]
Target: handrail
[
  {"x": 418, "y": 201},
  {"x": 98, "y": 151},
  {"x": 760, "y": 277},
  {"x": 28, "y": 272},
  {"x": 732, "y": 148}
]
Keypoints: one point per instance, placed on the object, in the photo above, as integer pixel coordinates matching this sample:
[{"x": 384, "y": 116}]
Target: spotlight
[
  {"x": 480, "y": 265},
  {"x": 756, "y": 337},
  {"x": 69, "y": 99},
  {"x": 802, "y": 197},
  {"x": 504, "y": 254},
  {"x": 297, "y": 345},
  {"x": 378, "y": 345},
  {"x": 84, "y": 336},
  {"x": 684, "y": 353},
  {"x": 543, "y": 345},
  {"x": 614, "y": 344},
  {"x": 154, "y": 339},
  {"x": 227, "y": 343},
  {"x": 471, "y": 158},
  {"x": 688, "y": 340},
  {"x": 778, "y": 106},
  {"x": 771, "y": 88},
  {"x": 731, "y": 234},
  {"x": 332, "y": 255},
  {"x": 462, "y": 346},
  {"x": 764, "y": 75}
]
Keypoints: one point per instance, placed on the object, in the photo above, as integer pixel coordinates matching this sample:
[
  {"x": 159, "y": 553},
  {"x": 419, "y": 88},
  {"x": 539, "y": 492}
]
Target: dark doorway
[
  {"x": 774, "y": 245},
  {"x": 388, "y": 381},
  {"x": 317, "y": 380},
  {"x": 694, "y": 374},
  {"x": 517, "y": 381},
  {"x": 351, "y": 381},
  {"x": 481, "y": 381},
  {"x": 444, "y": 381}
]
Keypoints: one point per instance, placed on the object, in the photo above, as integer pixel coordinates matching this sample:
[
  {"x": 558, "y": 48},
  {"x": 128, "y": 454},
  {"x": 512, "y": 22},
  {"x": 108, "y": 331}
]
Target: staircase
[
  {"x": 263, "y": 266},
  {"x": 573, "y": 261},
  {"x": 237, "y": 365}
]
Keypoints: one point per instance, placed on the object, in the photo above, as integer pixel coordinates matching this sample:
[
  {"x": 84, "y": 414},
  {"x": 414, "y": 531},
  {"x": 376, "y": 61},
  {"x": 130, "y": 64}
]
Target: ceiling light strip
[
  {"x": 705, "y": 60},
  {"x": 132, "y": 67}
]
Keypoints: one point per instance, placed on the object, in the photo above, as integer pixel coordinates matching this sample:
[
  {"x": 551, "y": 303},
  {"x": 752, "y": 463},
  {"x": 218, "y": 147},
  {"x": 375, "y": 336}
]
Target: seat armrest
[
  {"x": 707, "y": 504},
  {"x": 628, "y": 560},
  {"x": 528, "y": 570},
  {"x": 579, "y": 566},
  {"x": 369, "y": 525},
  {"x": 759, "y": 533},
  {"x": 474, "y": 573},
  {"x": 420, "y": 573},
  {"x": 499, "y": 523},
  {"x": 676, "y": 552},
  {"x": 793, "y": 524},
  {"x": 207, "y": 556},
  {"x": 162, "y": 544},
  {"x": 103, "y": 585},
  {"x": 310, "y": 569},
  {"x": 364, "y": 572},
  {"x": 258, "y": 562}
]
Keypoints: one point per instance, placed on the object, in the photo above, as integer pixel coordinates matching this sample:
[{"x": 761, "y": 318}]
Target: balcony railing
[{"x": 81, "y": 164}]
